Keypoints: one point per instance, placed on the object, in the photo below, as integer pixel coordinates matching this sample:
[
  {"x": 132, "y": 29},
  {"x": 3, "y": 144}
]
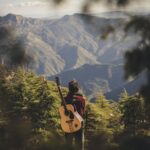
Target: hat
[{"x": 73, "y": 86}]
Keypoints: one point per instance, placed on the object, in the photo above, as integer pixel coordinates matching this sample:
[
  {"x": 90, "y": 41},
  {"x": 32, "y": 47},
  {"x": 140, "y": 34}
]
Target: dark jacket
[{"x": 78, "y": 101}]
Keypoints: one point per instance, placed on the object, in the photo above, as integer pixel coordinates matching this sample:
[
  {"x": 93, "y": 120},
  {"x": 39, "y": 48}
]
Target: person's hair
[{"x": 73, "y": 86}]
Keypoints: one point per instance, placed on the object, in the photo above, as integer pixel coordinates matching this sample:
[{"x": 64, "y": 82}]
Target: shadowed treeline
[{"x": 12, "y": 50}]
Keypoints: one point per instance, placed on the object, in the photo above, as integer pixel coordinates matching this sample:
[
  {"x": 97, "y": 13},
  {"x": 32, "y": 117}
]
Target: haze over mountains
[{"x": 89, "y": 49}]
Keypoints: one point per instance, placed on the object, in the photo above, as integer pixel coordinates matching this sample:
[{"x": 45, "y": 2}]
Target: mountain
[
  {"x": 69, "y": 42},
  {"x": 131, "y": 87},
  {"x": 87, "y": 48},
  {"x": 95, "y": 78},
  {"x": 108, "y": 78}
]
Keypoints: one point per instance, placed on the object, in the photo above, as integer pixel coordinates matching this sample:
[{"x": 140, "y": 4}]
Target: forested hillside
[{"x": 29, "y": 117}]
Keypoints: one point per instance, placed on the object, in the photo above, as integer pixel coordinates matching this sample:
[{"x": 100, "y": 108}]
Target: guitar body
[{"x": 70, "y": 124}]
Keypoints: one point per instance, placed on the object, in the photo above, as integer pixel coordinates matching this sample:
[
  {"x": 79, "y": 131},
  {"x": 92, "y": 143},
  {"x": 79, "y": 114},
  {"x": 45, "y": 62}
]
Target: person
[{"x": 75, "y": 98}]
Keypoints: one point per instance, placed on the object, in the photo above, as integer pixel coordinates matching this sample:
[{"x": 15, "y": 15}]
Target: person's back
[{"x": 78, "y": 101}]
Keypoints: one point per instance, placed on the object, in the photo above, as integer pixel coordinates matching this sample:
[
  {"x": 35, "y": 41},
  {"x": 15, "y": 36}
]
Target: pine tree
[
  {"x": 133, "y": 112},
  {"x": 101, "y": 101}
]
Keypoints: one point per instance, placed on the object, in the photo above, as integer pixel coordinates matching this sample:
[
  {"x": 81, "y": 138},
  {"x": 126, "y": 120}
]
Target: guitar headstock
[{"x": 57, "y": 80}]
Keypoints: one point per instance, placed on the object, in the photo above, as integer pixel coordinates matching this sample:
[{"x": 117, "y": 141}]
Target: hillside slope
[
  {"x": 88, "y": 48},
  {"x": 68, "y": 42}
]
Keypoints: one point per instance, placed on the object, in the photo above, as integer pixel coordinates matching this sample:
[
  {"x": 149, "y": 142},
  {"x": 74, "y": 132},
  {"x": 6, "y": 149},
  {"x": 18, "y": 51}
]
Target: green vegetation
[
  {"x": 29, "y": 109},
  {"x": 29, "y": 117}
]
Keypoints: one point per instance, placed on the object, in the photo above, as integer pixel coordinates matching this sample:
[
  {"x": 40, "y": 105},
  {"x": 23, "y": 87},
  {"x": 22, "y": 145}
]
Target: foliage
[
  {"x": 29, "y": 96},
  {"x": 29, "y": 108},
  {"x": 137, "y": 60},
  {"x": 102, "y": 123},
  {"x": 133, "y": 112},
  {"x": 29, "y": 112}
]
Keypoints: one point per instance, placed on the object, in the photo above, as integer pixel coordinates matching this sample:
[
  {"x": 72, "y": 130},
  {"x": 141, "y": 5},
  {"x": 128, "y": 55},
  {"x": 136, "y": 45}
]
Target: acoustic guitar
[{"x": 71, "y": 121}]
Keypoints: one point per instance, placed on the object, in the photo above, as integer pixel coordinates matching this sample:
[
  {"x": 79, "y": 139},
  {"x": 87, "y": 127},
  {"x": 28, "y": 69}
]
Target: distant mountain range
[
  {"x": 87, "y": 48},
  {"x": 107, "y": 78}
]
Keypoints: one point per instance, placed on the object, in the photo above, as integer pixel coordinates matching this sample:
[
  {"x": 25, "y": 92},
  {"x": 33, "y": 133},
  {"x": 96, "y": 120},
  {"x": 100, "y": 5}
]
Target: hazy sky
[
  {"x": 43, "y": 8},
  {"x": 38, "y": 8}
]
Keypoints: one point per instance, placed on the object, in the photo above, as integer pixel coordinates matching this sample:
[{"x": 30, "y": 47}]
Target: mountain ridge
[{"x": 76, "y": 44}]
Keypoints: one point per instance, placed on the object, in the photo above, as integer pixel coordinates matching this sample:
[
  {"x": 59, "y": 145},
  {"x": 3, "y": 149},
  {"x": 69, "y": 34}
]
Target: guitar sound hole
[{"x": 76, "y": 125}]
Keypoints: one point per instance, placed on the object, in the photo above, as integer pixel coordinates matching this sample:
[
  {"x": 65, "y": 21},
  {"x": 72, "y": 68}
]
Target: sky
[
  {"x": 43, "y": 8},
  {"x": 38, "y": 8}
]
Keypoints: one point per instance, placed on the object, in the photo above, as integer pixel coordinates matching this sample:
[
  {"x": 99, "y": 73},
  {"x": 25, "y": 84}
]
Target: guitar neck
[
  {"x": 61, "y": 96},
  {"x": 60, "y": 93}
]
